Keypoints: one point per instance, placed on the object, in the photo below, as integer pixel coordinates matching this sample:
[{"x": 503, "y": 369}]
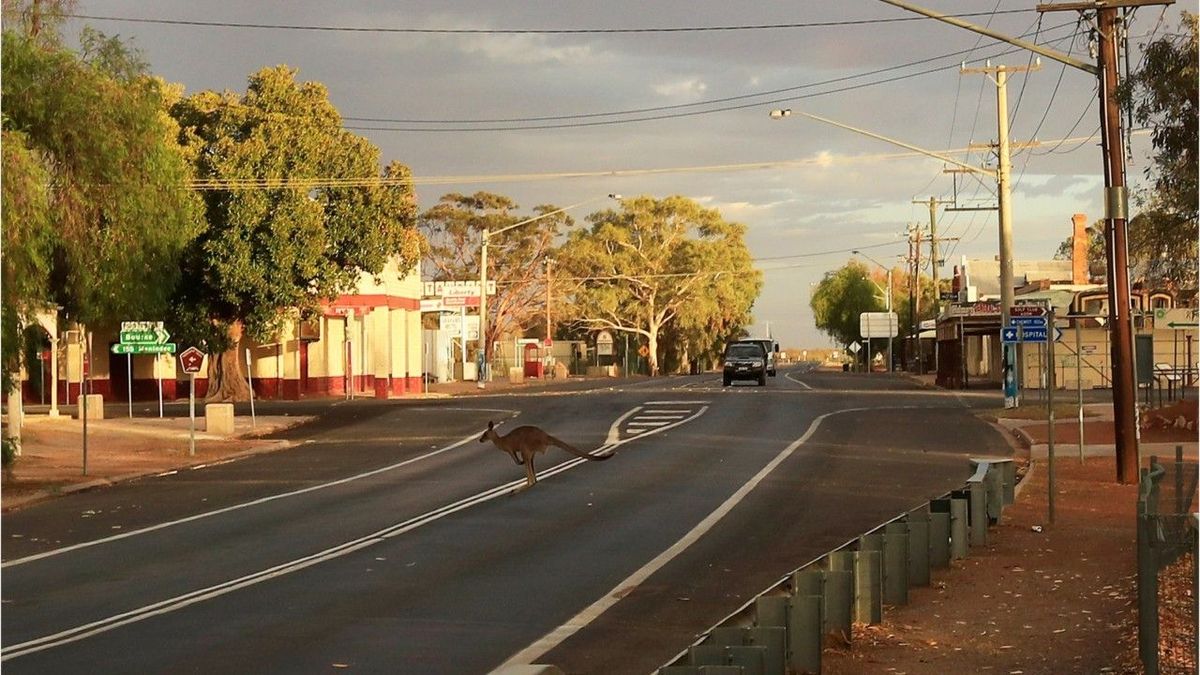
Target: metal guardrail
[
  {"x": 1164, "y": 533},
  {"x": 784, "y": 628}
]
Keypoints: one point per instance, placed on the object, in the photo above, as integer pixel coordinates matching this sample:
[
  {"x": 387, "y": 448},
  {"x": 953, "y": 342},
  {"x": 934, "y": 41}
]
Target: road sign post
[
  {"x": 1050, "y": 385},
  {"x": 192, "y": 358}
]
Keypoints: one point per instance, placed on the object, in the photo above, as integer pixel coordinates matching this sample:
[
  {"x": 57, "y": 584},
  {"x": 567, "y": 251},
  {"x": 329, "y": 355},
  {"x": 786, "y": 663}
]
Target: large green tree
[
  {"x": 841, "y": 297},
  {"x": 95, "y": 208},
  {"x": 656, "y": 264},
  {"x": 453, "y": 229},
  {"x": 296, "y": 213}
]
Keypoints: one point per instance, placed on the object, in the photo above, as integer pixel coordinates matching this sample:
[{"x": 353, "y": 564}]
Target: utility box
[{"x": 218, "y": 419}]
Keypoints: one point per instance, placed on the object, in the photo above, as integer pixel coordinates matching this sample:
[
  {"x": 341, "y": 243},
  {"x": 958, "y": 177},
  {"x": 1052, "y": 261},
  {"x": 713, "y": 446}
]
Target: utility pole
[
  {"x": 1116, "y": 201},
  {"x": 1004, "y": 194},
  {"x": 1116, "y": 231},
  {"x": 935, "y": 260}
]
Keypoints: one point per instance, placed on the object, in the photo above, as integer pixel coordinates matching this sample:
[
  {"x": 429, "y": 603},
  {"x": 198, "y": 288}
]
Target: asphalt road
[{"x": 390, "y": 540}]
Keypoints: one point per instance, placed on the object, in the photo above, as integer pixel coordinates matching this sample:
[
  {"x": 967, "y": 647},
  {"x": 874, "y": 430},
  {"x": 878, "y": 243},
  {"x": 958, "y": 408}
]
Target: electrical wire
[
  {"x": 678, "y": 106},
  {"x": 516, "y": 31}
]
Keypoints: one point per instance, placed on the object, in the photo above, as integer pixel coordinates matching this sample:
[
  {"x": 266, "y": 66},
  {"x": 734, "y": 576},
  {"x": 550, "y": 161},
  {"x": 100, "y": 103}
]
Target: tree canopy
[
  {"x": 100, "y": 213},
  {"x": 296, "y": 211},
  {"x": 656, "y": 264},
  {"x": 840, "y": 297},
  {"x": 453, "y": 229}
]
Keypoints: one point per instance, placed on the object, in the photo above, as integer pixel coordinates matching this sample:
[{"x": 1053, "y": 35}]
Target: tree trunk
[
  {"x": 652, "y": 357},
  {"x": 225, "y": 380}
]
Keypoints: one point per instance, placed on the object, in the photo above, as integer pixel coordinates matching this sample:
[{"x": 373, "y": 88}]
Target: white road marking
[
  {"x": 200, "y": 595},
  {"x": 575, "y": 624},
  {"x": 234, "y": 507},
  {"x": 636, "y": 423},
  {"x": 802, "y": 384},
  {"x": 675, "y": 403}
]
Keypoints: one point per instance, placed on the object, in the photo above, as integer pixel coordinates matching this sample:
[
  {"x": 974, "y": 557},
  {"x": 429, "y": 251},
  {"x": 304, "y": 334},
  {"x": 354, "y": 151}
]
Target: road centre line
[
  {"x": 675, "y": 403},
  {"x": 200, "y": 595},
  {"x": 802, "y": 384},
  {"x": 592, "y": 612}
]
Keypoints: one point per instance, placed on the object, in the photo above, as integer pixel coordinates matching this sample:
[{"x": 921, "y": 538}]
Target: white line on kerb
[
  {"x": 592, "y": 612},
  {"x": 181, "y": 601}
]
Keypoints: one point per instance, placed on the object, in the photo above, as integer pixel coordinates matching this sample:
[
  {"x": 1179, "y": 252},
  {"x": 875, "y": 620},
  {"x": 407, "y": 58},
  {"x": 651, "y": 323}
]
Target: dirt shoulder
[{"x": 1040, "y": 596}]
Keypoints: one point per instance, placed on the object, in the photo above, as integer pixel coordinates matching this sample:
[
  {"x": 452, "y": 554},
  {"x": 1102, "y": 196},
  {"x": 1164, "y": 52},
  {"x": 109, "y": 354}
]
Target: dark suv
[{"x": 745, "y": 361}]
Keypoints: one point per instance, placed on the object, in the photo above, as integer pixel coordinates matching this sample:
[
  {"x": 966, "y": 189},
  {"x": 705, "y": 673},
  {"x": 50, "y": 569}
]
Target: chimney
[{"x": 1079, "y": 249}]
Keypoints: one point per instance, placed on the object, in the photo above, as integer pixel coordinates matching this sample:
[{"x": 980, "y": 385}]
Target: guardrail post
[
  {"x": 773, "y": 640},
  {"x": 958, "y": 528},
  {"x": 868, "y": 587},
  {"x": 1010, "y": 482},
  {"x": 1180, "y": 503},
  {"x": 804, "y": 637},
  {"x": 747, "y": 659},
  {"x": 995, "y": 493},
  {"x": 771, "y": 610},
  {"x": 939, "y": 533},
  {"x": 895, "y": 563},
  {"x": 918, "y": 547},
  {"x": 839, "y": 604},
  {"x": 977, "y": 512}
]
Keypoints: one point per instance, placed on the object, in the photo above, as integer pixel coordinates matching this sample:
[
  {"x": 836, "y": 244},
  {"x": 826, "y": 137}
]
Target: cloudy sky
[{"x": 540, "y": 89}]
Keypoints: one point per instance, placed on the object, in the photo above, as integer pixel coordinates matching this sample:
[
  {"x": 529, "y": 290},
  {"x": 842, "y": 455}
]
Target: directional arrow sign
[
  {"x": 143, "y": 348},
  {"x": 1010, "y": 335},
  {"x": 1033, "y": 335},
  {"x": 1027, "y": 321},
  {"x": 1027, "y": 310}
]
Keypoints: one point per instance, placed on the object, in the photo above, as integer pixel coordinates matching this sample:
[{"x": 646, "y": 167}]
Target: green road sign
[
  {"x": 143, "y": 348},
  {"x": 155, "y": 336}
]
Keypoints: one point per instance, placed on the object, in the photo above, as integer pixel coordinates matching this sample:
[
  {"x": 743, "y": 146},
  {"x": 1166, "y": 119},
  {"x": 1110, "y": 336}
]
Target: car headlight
[
  {"x": 757, "y": 363},
  {"x": 729, "y": 364}
]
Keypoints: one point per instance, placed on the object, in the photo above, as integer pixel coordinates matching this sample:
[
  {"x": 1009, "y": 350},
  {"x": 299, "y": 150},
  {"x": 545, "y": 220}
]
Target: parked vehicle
[
  {"x": 745, "y": 361},
  {"x": 770, "y": 347}
]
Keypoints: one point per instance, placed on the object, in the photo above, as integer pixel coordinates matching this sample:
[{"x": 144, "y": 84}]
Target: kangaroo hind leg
[{"x": 530, "y": 472}]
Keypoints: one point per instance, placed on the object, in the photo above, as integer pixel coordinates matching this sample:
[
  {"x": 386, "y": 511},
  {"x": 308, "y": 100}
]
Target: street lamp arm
[
  {"x": 549, "y": 213},
  {"x": 777, "y": 114}
]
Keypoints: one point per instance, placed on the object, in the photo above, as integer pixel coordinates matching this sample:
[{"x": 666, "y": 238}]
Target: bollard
[
  {"x": 1180, "y": 502},
  {"x": 958, "y": 528},
  {"x": 749, "y": 659},
  {"x": 895, "y": 563},
  {"x": 838, "y": 605},
  {"x": 918, "y": 548},
  {"x": 868, "y": 587},
  {"x": 773, "y": 640},
  {"x": 804, "y": 638},
  {"x": 977, "y": 514},
  {"x": 771, "y": 610},
  {"x": 939, "y": 533}
]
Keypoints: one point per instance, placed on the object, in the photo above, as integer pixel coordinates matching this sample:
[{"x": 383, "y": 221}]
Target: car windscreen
[{"x": 744, "y": 352}]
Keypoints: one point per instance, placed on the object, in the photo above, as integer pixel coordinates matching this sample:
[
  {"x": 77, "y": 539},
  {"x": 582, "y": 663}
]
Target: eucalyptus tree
[
  {"x": 659, "y": 263},
  {"x": 96, "y": 211},
  {"x": 453, "y": 229},
  {"x": 297, "y": 210}
]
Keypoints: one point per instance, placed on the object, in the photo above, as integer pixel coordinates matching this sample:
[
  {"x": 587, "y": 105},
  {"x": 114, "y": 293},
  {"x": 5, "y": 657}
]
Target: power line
[
  {"x": 515, "y": 31},
  {"x": 679, "y": 106},
  {"x": 675, "y": 115}
]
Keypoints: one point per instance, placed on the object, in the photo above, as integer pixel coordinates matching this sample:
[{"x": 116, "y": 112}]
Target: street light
[
  {"x": 483, "y": 248},
  {"x": 887, "y": 300}
]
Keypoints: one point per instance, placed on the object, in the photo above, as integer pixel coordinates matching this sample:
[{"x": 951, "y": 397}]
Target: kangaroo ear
[{"x": 491, "y": 425}]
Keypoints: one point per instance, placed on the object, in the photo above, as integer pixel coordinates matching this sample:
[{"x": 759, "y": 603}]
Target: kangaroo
[{"x": 523, "y": 443}]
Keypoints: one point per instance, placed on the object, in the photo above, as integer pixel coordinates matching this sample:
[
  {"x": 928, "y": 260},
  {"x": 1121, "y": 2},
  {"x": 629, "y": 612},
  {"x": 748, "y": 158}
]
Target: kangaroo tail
[{"x": 576, "y": 451}]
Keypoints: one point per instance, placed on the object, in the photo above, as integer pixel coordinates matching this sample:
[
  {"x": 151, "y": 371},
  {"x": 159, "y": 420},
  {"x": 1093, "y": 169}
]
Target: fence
[
  {"x": 784, "y": 629},
  {"x": 1165, "y": 532}
]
